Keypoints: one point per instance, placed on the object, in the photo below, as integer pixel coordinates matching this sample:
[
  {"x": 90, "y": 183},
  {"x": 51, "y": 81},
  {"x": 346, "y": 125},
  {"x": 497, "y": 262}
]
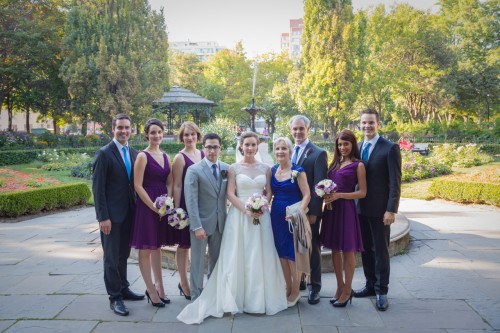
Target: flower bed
[{"x": 12, "y": 180}]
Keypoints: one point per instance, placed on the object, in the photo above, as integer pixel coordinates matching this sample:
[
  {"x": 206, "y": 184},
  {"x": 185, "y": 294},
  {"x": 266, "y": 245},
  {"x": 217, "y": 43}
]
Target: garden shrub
[
  {"x": 461, "y": 156},
  {"x": 466, "y": 192},
  {"x": 14, "y": 204},
  {"x": 225, "y": 128},
  {"x": 82, "y": 170},
  {"x": 415, "y": 167}
]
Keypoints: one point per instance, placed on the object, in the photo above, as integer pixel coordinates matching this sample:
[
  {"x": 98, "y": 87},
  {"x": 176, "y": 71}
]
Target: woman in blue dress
[{"x": 289, "y": 186}]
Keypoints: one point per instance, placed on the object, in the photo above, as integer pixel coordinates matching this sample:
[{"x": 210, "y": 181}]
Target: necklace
[{"x": 282, "y": 171}]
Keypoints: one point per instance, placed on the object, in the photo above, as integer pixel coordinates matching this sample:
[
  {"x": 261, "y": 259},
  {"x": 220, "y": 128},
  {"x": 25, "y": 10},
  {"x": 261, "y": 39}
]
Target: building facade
[
  {"x": 204, "y": 50},
  {"x": 292, "y": 40}
]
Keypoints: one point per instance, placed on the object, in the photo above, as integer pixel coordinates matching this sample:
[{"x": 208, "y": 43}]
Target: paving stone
[
  {"x": 131, "y": 327},
  {"x": 388, "y": 330},
  {"x": 410, "y": 314},
  {"x": 323, "y": 314},
  {"x": 40, "y": 284},
  {"x": 442, "y": 288},
  {"x": 489, "y": 309},
  {"x": 6, "y": 323},
  {"x": 284, "y": 322},
  {"x": 319, "y": 329},
  {"x": 27, "y": 306},
  {"x": 52, "y": 326},
  {"x": 92, "y": 307}
]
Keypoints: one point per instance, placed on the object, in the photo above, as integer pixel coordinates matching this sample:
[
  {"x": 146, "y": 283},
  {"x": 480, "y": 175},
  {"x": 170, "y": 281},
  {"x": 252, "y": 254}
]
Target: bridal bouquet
[
  {"x": 178, "y": 218},
  {"x": 257, "y": 203},
  {"x": 326, "y": 186},
  {"x": 164, "y": 204}
]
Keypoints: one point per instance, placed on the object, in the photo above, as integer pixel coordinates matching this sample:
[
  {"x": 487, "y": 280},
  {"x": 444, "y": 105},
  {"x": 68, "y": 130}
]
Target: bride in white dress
[{"x": 248, "y": 275}]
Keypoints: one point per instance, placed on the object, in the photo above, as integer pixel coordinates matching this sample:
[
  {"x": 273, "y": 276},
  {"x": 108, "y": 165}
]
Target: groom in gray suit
[{"x": 205, "y": 192}]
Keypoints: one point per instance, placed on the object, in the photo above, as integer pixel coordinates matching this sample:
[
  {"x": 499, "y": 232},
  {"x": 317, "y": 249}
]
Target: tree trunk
[
  {"x": 84, "y": 123},
  {"x": 28, "y": 128}
]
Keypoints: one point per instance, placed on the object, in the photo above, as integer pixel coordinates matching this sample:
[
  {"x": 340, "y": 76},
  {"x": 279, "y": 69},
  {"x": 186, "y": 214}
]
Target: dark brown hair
[
  {"x": 345, "y": 135},
  {"x": 370, "y": 111},
  {"x": 151, "y": 122},
  {"x": 120, "y": 116}
]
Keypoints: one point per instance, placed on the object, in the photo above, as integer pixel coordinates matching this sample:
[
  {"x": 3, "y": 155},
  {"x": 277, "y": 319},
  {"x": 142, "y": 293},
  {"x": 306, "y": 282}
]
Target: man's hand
[
  {"x": 105, "y": 226},
  {"x": 200, "y": 234},
  {"x": 389, "y": 218}
]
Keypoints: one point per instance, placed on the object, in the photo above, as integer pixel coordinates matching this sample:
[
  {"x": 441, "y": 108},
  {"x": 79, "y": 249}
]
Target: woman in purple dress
[
  {"x": 340, "y": 230},
  {"x": 152, "y": 178},
  {"x": 289, "y": 185},
  {"x": 189, "y": 134}
]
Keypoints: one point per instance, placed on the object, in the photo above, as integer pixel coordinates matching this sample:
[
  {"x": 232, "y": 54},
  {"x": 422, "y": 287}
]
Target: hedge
[
  {"x": 33, "y": 201},
  {"x": 461, "y": 191},
  {"x": 24, "y": 156}
]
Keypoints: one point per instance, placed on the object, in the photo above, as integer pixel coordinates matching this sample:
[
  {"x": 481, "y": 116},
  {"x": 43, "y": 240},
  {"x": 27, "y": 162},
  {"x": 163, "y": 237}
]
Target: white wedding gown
[{"x": 248, "y": 275}]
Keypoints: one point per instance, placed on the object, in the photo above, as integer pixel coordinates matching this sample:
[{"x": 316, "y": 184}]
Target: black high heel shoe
[
  {"x": 181, "y": 292},
  {"x": 158, "y": 305},
  {"x": 333, "y": 300},
  {"x": 337, "y": 304},
  {"x": 165, "y": 300}
]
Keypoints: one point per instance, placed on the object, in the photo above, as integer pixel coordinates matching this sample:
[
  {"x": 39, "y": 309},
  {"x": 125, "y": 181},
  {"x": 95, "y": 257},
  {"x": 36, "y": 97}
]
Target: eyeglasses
[{"x": 212, "y": 147}]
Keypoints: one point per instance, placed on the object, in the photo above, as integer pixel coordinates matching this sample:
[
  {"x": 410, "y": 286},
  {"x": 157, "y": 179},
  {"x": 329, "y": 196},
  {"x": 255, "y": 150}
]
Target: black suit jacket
[
  {"x": 383, "y": 180},
  {"x": 315, "y": 164},
  {"x": 114, "y": 195}
]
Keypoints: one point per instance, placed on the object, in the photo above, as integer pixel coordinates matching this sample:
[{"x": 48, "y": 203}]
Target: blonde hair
[
  {"x": 287, "y": 141},
  {"x": 189, "y": 125}
]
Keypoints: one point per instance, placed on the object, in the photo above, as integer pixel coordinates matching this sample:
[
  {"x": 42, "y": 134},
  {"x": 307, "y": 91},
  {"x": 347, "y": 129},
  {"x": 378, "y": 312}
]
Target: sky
[{"x": 257, "y": 23}]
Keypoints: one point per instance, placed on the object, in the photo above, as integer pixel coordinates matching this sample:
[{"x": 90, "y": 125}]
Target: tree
[
  {"x": 329, "y": 58},
  {"x": 116, "y": 58}
]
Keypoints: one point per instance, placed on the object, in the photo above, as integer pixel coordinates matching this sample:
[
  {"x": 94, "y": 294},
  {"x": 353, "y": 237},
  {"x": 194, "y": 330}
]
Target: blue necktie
[
  {"x": 127, "y": 162},
  {"x": 366, "y": 151},
  {"x": 295, "y": 154}
]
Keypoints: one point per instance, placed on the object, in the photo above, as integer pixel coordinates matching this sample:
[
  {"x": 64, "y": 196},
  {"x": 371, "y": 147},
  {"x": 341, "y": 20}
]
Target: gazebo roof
[{"x": 179, "y": 95}]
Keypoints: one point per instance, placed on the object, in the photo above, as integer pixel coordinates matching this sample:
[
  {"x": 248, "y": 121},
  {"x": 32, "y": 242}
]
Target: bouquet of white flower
[
  {"x": 325, "y": 186},
  {"x": 178, "y": 218},
  {"x": 257, "y": 203},
  {"x": 165, "y": 204}
]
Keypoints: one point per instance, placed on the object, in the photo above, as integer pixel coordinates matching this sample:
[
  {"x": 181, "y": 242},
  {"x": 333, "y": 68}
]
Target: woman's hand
[
  {"x": 253, "y": 214},
  {"x": 332, "y": 197}
]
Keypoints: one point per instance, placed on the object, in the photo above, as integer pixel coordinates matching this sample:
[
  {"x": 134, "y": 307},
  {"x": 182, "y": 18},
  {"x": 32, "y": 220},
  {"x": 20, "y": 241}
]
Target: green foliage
[
  {"x": 490, "y": 149},
  {"x": 61, "y": 161},
  {"x": 461, "y": 156},
  {"x": 34, "y": 201},
  {"x": 416, "y": 167},
  {"x": 466, "y": 192},
  {"x": 82, "y": 170},
  {"x": 225, "y": 128}
]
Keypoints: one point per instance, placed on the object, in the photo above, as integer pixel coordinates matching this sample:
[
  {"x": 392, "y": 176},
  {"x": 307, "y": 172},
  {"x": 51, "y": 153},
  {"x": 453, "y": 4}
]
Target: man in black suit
[
  {"x": 378, "y": 209},
  {"x": 114, "y": 199},
  {"x": 314, "y": 161}
]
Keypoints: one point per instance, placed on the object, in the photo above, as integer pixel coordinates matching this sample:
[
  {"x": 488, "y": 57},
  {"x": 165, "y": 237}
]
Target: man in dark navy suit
[
  {"x": 114, "y": 199},
  {"x": 314, "y": 161},
  {"x": 378, "y": 209}
]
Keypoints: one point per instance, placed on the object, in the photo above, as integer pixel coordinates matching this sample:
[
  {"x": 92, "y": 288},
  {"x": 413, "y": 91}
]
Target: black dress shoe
[
  {"x": 118, "y": 307},
  {"x": 128, "y": 294},
  {"x": 382, "y": 303},
  {"x": 365, "y": 292},
  {"x": 313, "y": 297},
  {"x": 302, "y": 285}
]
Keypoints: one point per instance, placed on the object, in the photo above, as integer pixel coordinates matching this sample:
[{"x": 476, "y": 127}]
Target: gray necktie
[{"x": 214, "y": 170}]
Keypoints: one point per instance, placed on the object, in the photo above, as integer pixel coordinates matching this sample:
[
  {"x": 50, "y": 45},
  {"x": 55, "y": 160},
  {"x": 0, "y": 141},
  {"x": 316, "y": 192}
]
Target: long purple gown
[
  {"x": 181, "y": 236},
  {"x": 340, "y": 230},
  {"x": 149, "y": 231}
]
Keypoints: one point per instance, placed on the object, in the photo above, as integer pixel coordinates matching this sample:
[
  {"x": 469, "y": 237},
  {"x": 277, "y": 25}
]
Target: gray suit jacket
[{"x": 206, "y": 197}]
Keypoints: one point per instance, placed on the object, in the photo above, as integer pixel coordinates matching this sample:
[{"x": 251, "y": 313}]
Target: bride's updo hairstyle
[
  {"x": 287, "y": 142},
  {"x": 151, "y": 122},
  {"x": 245, "y": 135}
]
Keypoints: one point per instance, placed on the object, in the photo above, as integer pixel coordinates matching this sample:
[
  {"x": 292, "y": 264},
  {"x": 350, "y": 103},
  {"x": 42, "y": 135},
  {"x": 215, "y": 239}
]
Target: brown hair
[
  {"x": 245, "y": 135},
  {"x": 345, "y": 135},
  {"x": 151, "y": 122},
  {"x": 120, "y": 116},
  {"x": 370, "y": 111},
  {"x": 189, "y": 125}
]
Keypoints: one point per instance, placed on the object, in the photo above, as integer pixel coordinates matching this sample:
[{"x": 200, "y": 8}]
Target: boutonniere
[
  {"x": 307, "y": 152},
  {"x": 295, "y": 174},
  {"x": 223, "y": 174}
]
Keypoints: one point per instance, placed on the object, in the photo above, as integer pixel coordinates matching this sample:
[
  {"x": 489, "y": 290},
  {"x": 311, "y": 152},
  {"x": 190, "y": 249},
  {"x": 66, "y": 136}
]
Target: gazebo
[{"x": 181, "y": 102}]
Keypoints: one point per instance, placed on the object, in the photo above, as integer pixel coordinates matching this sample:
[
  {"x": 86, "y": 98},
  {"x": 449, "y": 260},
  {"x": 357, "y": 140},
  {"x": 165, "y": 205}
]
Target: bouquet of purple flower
[
  {"x": 178, "y": 218},
  {"x": 257, "y": 203},
  {"x": 325, "y": 186},
  {"x": 164, "y": 204}
]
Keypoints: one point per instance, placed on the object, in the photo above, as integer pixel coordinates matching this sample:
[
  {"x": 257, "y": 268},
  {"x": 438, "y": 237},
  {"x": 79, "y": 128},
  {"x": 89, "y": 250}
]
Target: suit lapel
[
  {"x": 118, "y": 157},
  {"x": 210, "y": 176},
  {"x": 376, "y": 149},
  {"x": 306, "y": 152}
]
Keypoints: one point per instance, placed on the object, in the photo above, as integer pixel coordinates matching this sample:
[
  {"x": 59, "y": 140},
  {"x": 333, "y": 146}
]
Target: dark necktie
[
  {"x": 366, "y": 151},
  {"x": 214, "y": 170},
  {"x": 127, "y": 162},
  {"x": 295, "y": 154}
]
